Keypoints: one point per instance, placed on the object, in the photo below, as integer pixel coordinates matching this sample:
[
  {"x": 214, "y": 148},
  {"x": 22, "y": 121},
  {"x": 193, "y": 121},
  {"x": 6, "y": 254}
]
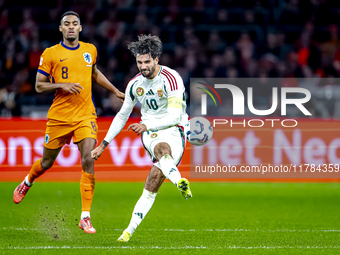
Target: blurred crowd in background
[{"x": 202, "y": 38}]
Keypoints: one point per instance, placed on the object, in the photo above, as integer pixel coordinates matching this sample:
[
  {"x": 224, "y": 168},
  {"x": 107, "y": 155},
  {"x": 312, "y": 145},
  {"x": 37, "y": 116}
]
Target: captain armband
[{"x": 175, "y": 102}]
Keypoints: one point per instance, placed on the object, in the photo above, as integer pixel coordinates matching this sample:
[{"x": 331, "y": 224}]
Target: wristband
[{"x": 105, "y": 143}]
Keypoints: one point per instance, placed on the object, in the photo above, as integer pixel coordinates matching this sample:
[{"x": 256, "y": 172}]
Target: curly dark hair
[{"x": 146, "y": 44}]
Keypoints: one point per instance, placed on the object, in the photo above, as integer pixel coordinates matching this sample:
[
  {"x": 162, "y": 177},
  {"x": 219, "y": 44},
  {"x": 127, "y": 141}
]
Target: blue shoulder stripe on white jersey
[{"x": 131, "y": 89}]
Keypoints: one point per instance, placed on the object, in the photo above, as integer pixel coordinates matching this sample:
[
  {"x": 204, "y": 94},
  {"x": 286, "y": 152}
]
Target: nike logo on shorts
[{"x": 61, "y": 60}]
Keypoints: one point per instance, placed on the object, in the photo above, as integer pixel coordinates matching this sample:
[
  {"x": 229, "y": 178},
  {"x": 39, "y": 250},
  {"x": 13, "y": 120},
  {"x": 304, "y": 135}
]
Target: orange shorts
[{"x": 59, "y": 133}]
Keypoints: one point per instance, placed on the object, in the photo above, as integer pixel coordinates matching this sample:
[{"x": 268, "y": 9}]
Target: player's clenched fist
[{"x": 95, "y": 154}]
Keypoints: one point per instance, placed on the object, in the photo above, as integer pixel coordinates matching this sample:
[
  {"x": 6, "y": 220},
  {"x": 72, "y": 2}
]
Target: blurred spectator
[
  {"x": 89, "y": 28},
  {"x": 141, "y": 24},
  {"x": 179, "y": 55},
  {"x": 26, "y": 27},
  {"x": 272, "y": 45},
  {"x": 3, "y": 20},
  {"x": 111, "y": 29},
  {"x": 246, "y": 48},
  {"x": 34, "y": 55},
  {"x": 332, "y": 44},
  {"x": 249, "y": 17},
  {"x": 215, "y": 44},
  {"x": 292, "y": 13},
  {"x": 199, "y": 5},
  {"x": 251, "y": 69},
  {"x": 221, "y": 17},
  {"x": 229, "y": 57},
  {"x": 7, "y": 103},
  {"x": 217, "y": 65}
]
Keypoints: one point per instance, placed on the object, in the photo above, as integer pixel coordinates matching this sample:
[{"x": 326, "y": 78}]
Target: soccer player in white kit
[{"x": 161, "y": 92}]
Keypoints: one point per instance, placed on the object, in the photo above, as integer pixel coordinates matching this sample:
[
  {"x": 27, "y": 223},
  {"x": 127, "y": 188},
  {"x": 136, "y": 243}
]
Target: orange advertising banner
[
  {"x": 21, "y": 143},
  {"x": 264, "y": 153}
]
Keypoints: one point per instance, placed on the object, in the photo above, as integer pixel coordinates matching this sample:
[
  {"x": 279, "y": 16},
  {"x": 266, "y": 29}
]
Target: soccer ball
[{"x": 198, "y": 131}]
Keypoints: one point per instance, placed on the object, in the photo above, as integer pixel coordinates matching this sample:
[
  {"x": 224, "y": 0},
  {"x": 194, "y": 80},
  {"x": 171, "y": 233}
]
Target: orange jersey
[{"x": 63, "y": 64}]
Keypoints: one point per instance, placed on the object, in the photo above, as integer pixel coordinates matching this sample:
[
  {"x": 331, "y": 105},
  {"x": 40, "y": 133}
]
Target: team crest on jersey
[
  {"x": 154, "y": 135},
  {"x": 47, "y": 138},
  {"x": 160, "y": 92},
  {"x": 87, "y": 57},
  {"x": 140, "y": 91}
]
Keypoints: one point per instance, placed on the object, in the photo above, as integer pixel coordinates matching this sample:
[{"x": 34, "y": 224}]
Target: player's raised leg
[
  {"x": 145, "y": 202},
  {"x": 87, "y": 184},
  {"x": 162, "y": 152},
  {"x": 39, "y": 167}
]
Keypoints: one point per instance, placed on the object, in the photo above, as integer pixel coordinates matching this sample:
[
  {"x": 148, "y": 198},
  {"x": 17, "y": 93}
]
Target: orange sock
[
  {"x": 35, "y": 171},
  {"x": 87, "y": 184}
]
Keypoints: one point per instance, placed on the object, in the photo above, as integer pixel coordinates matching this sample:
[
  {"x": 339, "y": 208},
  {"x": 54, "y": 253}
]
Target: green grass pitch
[{"x": 221, "y": 218}]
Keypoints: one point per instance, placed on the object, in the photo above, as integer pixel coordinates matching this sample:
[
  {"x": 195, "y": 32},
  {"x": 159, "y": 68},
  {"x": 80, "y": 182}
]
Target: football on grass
[{"x": 198, "y": 131}]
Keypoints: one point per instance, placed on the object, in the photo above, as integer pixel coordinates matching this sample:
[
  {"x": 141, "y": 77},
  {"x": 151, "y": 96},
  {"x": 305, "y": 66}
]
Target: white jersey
[{"x": 162, "y": 99}]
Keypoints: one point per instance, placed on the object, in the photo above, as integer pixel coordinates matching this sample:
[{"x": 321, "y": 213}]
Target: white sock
[
  {"x": 142, "y": 207},
  {"x": 169, "y": 169},
  {"x": 85, "y": 214},
  {"x": 27, "y": 182}
]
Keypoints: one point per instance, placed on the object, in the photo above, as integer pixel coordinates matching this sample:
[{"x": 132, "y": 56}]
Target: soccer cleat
[
  {"x": 183, "y": 186},
  {"x": 125, "y": 237},
  {"x": 20, "y": 192},
  {"x": 86, "y": 225}
]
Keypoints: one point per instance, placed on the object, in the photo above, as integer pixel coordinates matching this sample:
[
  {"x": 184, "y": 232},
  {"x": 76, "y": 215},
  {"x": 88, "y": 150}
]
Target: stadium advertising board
[{"x": 313, "y": 142}]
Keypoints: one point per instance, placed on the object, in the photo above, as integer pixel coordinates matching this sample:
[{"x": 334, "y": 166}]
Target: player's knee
[
  {"x": 162, "y": 149},
  {"x": 87, "y": 162},
  {"x": 46, "y": 163}
]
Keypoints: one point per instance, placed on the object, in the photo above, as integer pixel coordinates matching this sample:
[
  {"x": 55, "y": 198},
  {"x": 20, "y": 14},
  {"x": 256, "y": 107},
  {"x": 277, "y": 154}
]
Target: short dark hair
[
  {"x": 69, "y": 13},
  {"x": 146, "y": 44}
]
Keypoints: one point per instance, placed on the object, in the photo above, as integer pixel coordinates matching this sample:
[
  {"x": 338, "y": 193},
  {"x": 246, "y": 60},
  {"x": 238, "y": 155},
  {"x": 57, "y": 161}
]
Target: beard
[
  {"x": 150, "y": 73},
  {"x": 70, "y": 39}
]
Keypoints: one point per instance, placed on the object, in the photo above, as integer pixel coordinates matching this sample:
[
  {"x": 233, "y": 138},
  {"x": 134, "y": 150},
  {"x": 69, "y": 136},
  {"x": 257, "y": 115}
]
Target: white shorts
[{"x": 173, "y": 136}]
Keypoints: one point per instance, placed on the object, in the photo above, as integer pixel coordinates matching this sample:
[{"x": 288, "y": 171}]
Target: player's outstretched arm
[
  {"x": 116, "y": 126},
  {"x": 42, "y": 86},
  {"x": 101, "y": 80}
]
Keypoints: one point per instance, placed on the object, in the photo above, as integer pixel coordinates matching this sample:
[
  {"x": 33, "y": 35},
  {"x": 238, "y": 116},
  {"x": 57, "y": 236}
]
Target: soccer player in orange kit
[{"x": 70, "y": 66}]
